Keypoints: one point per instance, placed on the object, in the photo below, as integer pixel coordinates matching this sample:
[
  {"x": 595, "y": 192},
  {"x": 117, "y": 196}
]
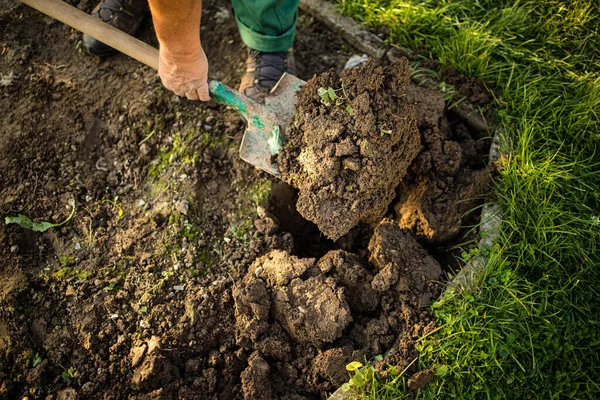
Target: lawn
[{"x": 531, "y": 328}]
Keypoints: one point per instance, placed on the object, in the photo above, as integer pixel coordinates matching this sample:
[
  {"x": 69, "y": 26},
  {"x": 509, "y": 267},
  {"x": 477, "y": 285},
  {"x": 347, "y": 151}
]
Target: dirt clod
[
  {"x": 347, "y": 154},
  {"x": 447, "y": 176},
  {"x": 420, "y": 379}
]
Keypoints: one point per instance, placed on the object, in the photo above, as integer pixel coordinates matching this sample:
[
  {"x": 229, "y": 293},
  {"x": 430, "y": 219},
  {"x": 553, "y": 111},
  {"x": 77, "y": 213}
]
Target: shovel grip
[{"x": 232, "y": 98}]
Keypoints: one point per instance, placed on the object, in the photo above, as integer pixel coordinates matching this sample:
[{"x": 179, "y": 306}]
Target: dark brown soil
[
  {"x": 448, "y": 175},
  {"x": 303, "y": 320},
  {"x": 347, "y": 164},
  {"x": 152, "y": 290}
]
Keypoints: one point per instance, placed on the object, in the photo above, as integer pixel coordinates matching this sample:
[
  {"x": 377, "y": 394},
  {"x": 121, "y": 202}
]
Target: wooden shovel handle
[{"x": 97, "y": 29}]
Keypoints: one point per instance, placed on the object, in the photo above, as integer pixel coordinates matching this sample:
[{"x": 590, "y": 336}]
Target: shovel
[{"x": 267, "y": 122}]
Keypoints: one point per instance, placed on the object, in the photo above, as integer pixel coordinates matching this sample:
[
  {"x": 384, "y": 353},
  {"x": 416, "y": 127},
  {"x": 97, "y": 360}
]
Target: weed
[
  {"x": 68, "y": 374},
  {"x": 331, "y": 94},
  {"x": 111, "y": 287},
  {"x": 36, "y": 360},
  {"x": 65, "y": 261},
  {"x": 69, "y": 272},
  {"x": 25, "y": 222},
  {"x": 116, "y": 205}
]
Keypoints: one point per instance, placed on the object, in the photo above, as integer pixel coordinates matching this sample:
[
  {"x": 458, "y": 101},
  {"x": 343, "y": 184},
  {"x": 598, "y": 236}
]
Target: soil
[
  {"x": 303, "y": 320},
  {"x": 184, "y": 272},
  {"x": 347, "y": 162},
  {"x": 448, "y": 175}
]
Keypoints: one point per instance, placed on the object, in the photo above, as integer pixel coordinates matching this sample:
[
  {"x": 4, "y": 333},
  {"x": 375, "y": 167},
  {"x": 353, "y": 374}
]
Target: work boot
[
  {"x": 125, "y": 15},
  {"x": 263, "y": 71}
]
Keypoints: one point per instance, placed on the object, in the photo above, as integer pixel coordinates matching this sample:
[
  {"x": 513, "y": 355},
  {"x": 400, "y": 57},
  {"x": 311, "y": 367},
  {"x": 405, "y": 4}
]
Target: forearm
[{"x": 177, "y": 25}]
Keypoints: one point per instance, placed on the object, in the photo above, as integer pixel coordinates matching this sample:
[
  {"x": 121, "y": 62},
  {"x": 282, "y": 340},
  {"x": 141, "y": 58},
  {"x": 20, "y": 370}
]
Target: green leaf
[
  {"x": 37, "y": 360},
  {"x": 275, "y": 141},
  {"x": 354, "y": 366},
  {"x": 324, "y": 94},
  {"x": 331, "y": 93},
  {"x": 442, "y": 370},
  {"x": 349, "y": 109},
  {"x": 346, "y": 387},
  {"x": 25, "y": 222},
  {"x": 378, "y": 357}
]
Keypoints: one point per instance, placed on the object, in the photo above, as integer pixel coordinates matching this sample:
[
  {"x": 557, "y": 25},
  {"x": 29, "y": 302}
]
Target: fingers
[
  {"x": 185, "y": 75},
  {"x": 202, "y": 92},
  {"x": 199, "y": 93},
  {"x": 192, "y": 95}
]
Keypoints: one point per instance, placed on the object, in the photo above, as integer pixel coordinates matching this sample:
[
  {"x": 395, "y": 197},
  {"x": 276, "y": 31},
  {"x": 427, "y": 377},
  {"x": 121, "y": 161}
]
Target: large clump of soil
[
  {"x": 303, "y": 320},
  {"x": 347, "y": 163},
  {"x": 444, "y": 181}
]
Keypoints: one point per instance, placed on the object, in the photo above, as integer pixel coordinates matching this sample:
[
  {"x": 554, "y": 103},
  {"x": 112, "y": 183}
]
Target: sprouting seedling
[
  {"x": 331, "y": 94},
  {"x": 68, "y": 374},
  {"x": 385, "y": 132},
  {"x": 25, "y": 222}
]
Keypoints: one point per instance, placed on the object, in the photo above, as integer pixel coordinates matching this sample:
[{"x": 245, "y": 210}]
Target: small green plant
[
  {"x": 65, "y": 261},
  {"x": 25, "y": 222},
  {"x": 36, "y": 360},
  {"x": 112, "y": 287},
  {"x": 362, "y": 377},
  {"x": 330, "y": 94},
  {"x": 116, "y": 205},
  {"x": 68, "y": 375}
]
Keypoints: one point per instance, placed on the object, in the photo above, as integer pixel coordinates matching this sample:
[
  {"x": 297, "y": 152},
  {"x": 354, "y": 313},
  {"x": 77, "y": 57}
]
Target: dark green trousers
[{"x": 267, "y": 25}]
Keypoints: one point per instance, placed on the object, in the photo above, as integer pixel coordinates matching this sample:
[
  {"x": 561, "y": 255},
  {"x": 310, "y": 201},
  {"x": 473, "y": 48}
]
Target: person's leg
[
  {"x": 267, "y": 27},
  {"x": 125, "y": 15}
]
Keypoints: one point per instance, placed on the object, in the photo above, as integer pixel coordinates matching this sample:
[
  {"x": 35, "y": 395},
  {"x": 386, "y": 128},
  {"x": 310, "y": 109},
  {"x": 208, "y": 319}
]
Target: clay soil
[
  {"x": 184, "y": 272},
  {"x": 348, "y": 151}
]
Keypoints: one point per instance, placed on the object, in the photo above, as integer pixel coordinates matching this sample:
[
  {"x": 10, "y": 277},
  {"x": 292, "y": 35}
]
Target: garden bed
[{"x": 185, "y": 272}]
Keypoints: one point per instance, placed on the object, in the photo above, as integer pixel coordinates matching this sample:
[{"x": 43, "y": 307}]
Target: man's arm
[{"x": 183, "y": 67}]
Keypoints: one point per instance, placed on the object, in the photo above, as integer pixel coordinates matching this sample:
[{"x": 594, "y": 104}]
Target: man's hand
[
  {"x": 185, "y": 75},
  {"x": 182, "y": 64}
]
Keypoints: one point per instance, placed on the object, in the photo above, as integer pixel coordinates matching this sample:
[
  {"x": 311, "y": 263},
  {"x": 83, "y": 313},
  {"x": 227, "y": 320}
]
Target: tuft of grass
[{"x": 530, "y": 327}]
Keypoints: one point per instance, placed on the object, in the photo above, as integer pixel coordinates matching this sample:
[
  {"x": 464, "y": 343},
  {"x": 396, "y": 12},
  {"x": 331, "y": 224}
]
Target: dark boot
[
  {"x": 125, "y": 15},
  {"x": 263, "y": 71}
]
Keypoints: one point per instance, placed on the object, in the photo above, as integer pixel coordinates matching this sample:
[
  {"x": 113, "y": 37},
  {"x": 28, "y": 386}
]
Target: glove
[{"x": 184, "y": 74}]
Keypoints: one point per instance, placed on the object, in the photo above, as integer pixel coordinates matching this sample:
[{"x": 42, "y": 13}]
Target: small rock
[
  {"x": 141, "y": 203},
  {"x": 77, "y": 246},
  {"x": 420, "y": 379},
  {"x": 67, "y": 394},
  {"x": 137, "y": 353},
  {"x": 87, "y": 388},
  {"x": 182, "y": 206},
  {"x": 14, "y": 248}
]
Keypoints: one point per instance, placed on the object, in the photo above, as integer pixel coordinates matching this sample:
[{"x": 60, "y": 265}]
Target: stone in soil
[{"x": 347, "y": 164}]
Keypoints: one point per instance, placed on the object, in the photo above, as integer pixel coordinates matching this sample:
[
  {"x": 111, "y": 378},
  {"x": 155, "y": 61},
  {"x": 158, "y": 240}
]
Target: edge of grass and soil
[{"x": 529, "y": 328}]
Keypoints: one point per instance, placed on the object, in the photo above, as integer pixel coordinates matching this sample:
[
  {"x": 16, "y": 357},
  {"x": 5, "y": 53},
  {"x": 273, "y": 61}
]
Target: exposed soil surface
[
  {"x": 184, "y": 272},
  {"x": 346, "y": 155}
]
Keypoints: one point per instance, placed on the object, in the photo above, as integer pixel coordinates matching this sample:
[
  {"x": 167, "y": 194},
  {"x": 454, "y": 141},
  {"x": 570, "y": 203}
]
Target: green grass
[{"x": 531, "y": 328}]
